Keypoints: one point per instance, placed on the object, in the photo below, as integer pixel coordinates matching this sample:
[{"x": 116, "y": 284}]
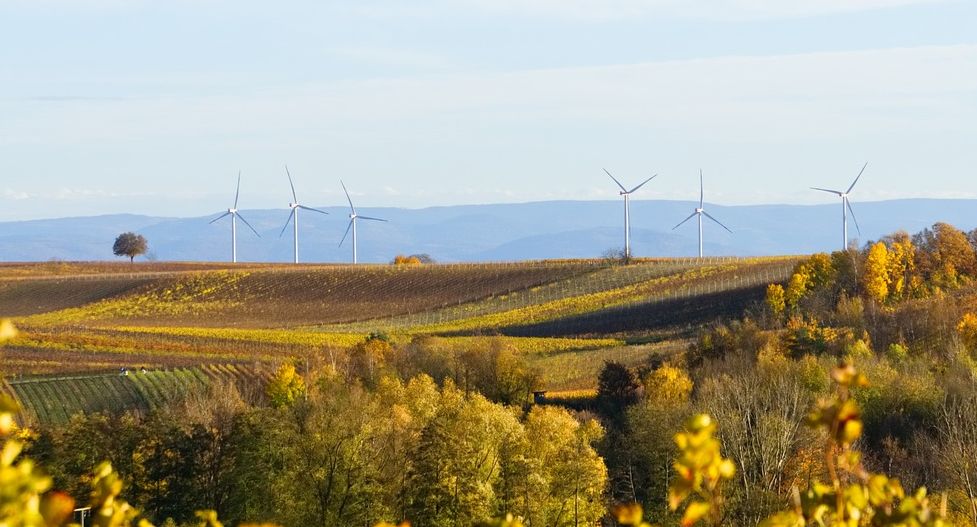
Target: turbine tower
[
  {"x": 700, "y": 211},
  {"x": 353, "y": 216},
  {"x": 234, "y": 214},
  {"x": 294, "y": 215},
  {"x": 627, "y": 211},
  {"x": 846, "y": 207}
]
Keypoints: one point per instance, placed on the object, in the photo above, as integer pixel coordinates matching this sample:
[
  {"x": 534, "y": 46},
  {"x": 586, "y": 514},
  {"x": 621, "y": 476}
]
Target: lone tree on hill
[{"x": 130, "y": 244}]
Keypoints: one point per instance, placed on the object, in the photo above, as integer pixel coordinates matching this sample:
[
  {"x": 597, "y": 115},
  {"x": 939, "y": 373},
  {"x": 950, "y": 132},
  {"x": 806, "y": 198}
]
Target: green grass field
[{"x": 81, "y": 322}]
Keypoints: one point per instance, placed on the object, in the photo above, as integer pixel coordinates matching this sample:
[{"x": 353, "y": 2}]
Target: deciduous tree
[{"x": 130, "y": 244}]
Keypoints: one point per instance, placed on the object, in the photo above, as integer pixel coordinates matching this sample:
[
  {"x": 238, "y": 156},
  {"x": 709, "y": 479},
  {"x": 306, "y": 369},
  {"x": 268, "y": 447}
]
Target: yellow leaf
[
  {"x": 727, "y": 469},
  {"x": 852, "y": 431},
  {"x": 7, "y": 330},
  {"x": 695, "y": 512},
  {"x": 630, "y": 514}
]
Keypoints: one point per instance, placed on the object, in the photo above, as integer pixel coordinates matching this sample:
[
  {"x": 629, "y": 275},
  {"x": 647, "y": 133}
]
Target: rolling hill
[
  {"x": 97, "y": 317},
  {"x": 505, "y": 232}
]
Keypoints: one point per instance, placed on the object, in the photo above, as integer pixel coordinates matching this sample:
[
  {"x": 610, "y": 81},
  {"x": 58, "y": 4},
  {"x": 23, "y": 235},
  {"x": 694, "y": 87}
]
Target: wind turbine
[
  {"x": 234, "y": 214},
  {"x": 353, "y": 216},
  {"x": 627, "y": 211},
  {"x": 294, "y": 215},
  {"x": 700, "y": 211},
  {"x": 846, "y": 207}
]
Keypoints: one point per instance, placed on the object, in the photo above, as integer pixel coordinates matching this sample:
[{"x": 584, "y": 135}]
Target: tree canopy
[{"x": 130, "y": 244}]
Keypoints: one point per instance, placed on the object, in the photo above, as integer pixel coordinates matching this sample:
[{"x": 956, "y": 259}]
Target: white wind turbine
[
  {"x": 627, "y": 211},
  {"x": 234, "y": 214},
  {"x": 294, "y": 215},
  {"x": 700, "y": 211},
  {"x": 353, "y": 216},
  {"x": 846, "y": 207}
]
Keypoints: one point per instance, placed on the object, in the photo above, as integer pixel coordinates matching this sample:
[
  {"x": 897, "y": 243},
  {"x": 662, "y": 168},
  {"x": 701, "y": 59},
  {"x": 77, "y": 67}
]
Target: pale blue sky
[{"x": 153, "y": 106}]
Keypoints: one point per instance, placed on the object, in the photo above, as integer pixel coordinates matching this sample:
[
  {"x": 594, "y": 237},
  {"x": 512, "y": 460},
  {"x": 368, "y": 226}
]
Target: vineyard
[
  {"x": 286, "y": 297},
  {"x": 80, "y": 323},
  {"x": 54, "y": 399}
]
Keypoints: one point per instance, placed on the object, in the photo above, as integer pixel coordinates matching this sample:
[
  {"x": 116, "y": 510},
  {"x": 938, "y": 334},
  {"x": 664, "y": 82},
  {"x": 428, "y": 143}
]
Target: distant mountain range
[{"x": 551, "y": 229}]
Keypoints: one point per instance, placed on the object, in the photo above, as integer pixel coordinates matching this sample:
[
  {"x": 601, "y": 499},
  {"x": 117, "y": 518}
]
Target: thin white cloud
[
  {"x": 780, "y": 98},
  {"x": 809, "y": 115},
  {"x": 391, "y": 57},
  {"x": 709, "y": 9},
  {"x": 14, "y": 195}
]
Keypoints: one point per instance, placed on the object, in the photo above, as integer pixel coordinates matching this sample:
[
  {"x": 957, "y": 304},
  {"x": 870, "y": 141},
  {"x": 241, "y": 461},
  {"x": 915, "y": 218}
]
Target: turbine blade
[
  {"x": 685, "y": 220},
  {"x": 295, "y": 199},
  {"x": 854, "y": 219},
  {"x": 220, "y": 217},
  {"x": 351, "y": 207},
  {"x": 837, "y": 192},
  {"x": 717, "y": 221},
  {"x": 369, "y": 218},
  {"x": 702, "y": 192},
  {"x": 238, "y": 193},
  {"x": 348, "y": 227},
  {"x": 624, "y": 190},
  {"x": 642, "y": 184},
  {"x": 857, "y": 178},
  {"x": 249, "y": 225},
  {"x": 290, "y": 215},
  {"x": 312, "y": 209}
]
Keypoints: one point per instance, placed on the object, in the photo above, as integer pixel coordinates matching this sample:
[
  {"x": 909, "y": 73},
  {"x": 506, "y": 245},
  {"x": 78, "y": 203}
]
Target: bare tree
[
  {"x": 762, "y": 413},
  {"x": 957, "y": 455}
]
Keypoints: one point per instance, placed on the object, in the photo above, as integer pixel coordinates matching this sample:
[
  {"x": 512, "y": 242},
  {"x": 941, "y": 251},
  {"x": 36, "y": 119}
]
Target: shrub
[
  {"x": 406, "y": 260},
  {"x": 897, "y": 352},
  {"x": 967, "y": 329},
  {"x": 285, "y": 387},
  {"x": 667, "y": 385},
  {"x": 776, "y": 301}
]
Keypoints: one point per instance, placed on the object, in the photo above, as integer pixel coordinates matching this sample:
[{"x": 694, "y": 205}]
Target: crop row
[
  {"x": 29, "y": 297},
  {"x": 608, "y": 287},
  {"x": 56, "y": 399},
  {"x": 189, "y": 296},
  {"x": 601, "y": 279},
  {"x": 698, "y": 281},
  {"x": 47, "y": 349},
  {"x": 278, "y": 297}
]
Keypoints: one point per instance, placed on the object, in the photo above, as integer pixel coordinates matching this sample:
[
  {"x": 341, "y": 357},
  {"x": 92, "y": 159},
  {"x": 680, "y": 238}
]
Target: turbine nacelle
[
  {"x": 293, "y": 216},
  {"x": 627, "y": 211},
  {"x": 846, "y": 207},
  {"x": 353, "y": 216},
  {"x": 235, "y": 215},
  {"x": 699, "y": 212}
]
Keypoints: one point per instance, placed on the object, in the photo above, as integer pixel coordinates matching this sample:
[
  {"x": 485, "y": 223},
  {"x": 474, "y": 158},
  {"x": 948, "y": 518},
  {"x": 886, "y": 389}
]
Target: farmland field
[{"x": 81, "y": 322}]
